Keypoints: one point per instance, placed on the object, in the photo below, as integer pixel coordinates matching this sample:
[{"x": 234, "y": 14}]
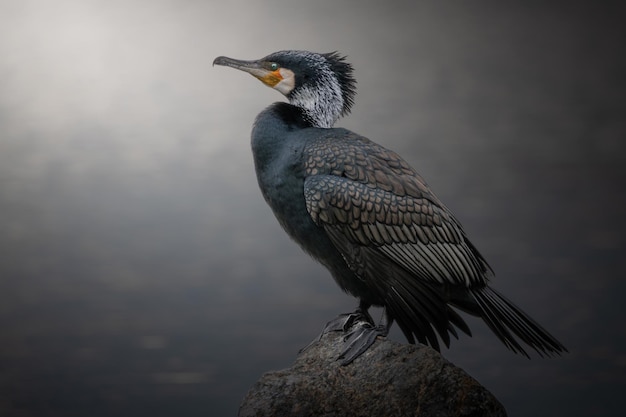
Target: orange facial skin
[{"x": 272, "y": 78}]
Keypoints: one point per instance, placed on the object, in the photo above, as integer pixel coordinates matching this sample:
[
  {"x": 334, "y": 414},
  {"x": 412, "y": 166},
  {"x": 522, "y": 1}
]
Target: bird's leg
[
  {"x": 344, "y": 322},
  {"x": 362, "y": 335}
]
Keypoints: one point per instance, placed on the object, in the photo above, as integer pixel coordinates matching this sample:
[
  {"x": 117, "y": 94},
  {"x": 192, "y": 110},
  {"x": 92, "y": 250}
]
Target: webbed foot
[
  {"x": 342, "y": 323},
  {"x": 361, "y": 336},
  {"x": 360, "y": 333}
]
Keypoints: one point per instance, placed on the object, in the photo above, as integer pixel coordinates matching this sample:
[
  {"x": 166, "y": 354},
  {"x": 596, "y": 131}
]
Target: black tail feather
[
  {"x": 426, "y": 311},
  {"x": 505, "y": 319},
  {"x": 422, "y": 314}
]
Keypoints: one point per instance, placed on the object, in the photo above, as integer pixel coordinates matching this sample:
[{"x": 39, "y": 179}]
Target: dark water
[{"x": 142, "y": 274}]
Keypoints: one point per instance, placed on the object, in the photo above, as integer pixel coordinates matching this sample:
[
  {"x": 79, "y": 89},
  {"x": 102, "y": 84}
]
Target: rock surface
[{"x": 390, "y": 379}]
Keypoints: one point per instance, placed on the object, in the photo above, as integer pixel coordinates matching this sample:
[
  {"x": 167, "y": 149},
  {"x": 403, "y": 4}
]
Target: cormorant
[{"x": 369, "y": 217}]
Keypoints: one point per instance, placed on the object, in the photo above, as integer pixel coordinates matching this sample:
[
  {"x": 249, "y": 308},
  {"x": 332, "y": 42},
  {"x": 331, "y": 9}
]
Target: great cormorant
[{"x": 369, "y": 217}]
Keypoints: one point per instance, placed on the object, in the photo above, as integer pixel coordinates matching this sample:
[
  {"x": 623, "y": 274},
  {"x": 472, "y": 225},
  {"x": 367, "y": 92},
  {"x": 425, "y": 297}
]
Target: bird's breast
[{"x": 281, "y": 180}]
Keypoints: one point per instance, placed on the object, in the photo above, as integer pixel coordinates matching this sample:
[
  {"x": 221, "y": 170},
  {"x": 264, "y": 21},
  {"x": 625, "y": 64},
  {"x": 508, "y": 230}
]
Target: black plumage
[{"x": 369, "y": 217}]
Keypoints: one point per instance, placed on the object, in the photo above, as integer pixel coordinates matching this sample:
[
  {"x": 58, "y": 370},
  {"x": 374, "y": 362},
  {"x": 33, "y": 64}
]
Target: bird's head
[{"x": 320, "y": 84}]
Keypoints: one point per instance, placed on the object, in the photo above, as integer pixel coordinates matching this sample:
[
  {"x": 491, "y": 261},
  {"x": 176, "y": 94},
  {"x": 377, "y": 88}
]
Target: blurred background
[{"x": 141, "y": 273}]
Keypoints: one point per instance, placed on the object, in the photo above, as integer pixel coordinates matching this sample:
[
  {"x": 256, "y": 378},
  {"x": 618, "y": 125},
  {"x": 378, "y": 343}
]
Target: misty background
[{"x": 141, "y": 273}]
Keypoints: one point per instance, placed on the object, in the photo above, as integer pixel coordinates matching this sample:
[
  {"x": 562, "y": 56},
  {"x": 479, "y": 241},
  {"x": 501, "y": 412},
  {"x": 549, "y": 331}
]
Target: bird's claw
[
  {"x": 360, "y": 333},
  {"x": 341, "y": 323},
  {"x": 360, "y": 337}
]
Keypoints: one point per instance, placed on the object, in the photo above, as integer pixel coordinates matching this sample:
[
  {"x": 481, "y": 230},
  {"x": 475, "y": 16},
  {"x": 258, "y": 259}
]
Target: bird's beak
[{"x": 256, "y": 68}]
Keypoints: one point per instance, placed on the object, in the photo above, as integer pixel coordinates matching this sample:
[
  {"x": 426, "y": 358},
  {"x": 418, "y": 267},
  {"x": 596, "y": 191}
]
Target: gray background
[{"x": 141, "y": 274}]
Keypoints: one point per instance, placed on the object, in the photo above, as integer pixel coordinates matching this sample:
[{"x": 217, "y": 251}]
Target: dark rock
[{"x": 390, "y": 379}]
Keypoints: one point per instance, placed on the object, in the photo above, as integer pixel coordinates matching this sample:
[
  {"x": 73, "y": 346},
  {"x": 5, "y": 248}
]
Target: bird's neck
[
  {"x": 321, "y": 107},
  {"x": 273, "y": 127}
]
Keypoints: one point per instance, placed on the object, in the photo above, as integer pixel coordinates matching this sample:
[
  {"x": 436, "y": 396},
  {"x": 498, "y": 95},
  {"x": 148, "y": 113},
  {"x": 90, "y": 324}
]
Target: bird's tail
[{"x": 510, "y": 323}]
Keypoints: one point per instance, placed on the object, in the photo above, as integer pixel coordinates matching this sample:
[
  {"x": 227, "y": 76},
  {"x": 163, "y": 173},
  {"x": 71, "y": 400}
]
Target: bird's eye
[{"x": 273, "y": 66}]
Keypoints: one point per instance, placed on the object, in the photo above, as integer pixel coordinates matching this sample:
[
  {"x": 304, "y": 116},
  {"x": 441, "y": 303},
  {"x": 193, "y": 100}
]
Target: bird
[{"x": 369, "y": 217}]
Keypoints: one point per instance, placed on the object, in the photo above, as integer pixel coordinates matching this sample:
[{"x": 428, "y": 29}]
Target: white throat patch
[{"x": 287, "y": 84}]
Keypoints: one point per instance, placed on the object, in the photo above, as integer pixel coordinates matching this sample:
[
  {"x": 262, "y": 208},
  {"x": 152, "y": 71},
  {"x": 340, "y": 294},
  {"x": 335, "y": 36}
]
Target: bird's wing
[{"x": 367, "y": 196}]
